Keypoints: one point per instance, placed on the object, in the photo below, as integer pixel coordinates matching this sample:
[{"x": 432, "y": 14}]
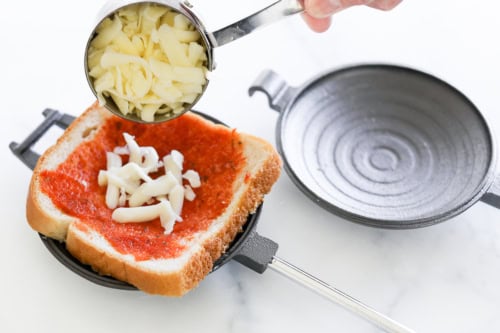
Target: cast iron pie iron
[
  {"x": 384, "y": 145},
  {"x": 249, "y": 248}
]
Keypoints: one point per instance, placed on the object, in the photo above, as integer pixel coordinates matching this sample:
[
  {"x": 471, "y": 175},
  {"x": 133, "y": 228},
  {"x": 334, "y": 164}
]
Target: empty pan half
[{"x": 382, "y": 145}]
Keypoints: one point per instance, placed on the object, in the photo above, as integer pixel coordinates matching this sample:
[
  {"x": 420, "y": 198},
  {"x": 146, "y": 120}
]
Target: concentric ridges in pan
[{"x": 386, "y": 145}]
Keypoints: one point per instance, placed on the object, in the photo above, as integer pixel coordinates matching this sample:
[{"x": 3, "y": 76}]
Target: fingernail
[{"x": 335, "y": 6}]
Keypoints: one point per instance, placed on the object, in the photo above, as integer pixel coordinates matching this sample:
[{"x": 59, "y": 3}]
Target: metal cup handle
[{"x": 272, "y": 13}]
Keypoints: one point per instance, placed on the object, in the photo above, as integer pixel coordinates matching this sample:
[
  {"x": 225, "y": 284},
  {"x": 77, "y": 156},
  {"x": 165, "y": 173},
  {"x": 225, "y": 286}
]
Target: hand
[{"x": 318, "y": 13}]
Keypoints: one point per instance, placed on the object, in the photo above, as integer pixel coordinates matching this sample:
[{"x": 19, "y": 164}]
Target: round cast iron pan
[{"x": 382, "y": 145}]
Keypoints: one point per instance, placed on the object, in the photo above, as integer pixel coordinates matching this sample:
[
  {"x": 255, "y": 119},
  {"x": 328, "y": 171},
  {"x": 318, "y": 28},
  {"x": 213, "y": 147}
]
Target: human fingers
[
  {"x": 317, "y": 13},
  {"x": 317, "y": 24},
  {"x": 326, "y": 8},
  {"x": 384, "y": 4}
]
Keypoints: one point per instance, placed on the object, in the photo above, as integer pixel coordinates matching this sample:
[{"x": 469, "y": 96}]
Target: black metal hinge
[{"x": 24, "y": 150}]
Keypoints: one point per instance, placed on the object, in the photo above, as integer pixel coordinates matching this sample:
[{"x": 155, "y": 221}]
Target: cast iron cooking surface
[{"x": 386, "y": 146}]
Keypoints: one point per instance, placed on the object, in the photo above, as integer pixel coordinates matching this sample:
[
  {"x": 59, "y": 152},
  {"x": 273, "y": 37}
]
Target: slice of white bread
[{"x": 172, "y": 276}]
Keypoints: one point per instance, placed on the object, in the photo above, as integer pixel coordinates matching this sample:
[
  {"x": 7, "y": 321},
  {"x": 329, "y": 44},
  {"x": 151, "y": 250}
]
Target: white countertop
[{"x": 444, "y": 278}]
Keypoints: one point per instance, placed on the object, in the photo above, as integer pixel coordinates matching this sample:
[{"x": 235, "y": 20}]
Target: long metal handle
[
  {"x": 270, "y": 14},
  {"x": 337, "y": 296}
]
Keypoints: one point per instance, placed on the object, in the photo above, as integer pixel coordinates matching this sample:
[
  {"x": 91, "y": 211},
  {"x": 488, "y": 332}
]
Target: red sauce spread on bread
[{"x": 216, "y": 153}]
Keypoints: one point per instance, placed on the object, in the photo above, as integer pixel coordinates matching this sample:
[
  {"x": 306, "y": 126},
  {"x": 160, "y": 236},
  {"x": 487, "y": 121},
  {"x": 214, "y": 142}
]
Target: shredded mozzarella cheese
[
  {"x": 136, "y": 197},
  {"x": 148, "y": 59}
]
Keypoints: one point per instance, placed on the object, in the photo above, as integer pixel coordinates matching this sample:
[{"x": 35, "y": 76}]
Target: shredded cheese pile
[
  {"x": 148, "y": 59},
  {"x": 134, "y": 196}
]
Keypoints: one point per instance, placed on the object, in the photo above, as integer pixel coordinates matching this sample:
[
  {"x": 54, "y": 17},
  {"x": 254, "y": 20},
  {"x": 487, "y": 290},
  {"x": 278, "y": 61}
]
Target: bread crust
[
  {"x": 250, "y": 189},
  {"x": 175, "y": 283},
  {"x": 41, "y": 216}
]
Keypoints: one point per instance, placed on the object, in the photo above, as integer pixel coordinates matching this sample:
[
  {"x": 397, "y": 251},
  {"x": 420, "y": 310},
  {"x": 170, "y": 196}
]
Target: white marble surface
[{"x": 444, "y": 278}]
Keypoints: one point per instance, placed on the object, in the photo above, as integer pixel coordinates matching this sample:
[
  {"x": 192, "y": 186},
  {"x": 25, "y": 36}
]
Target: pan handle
[
  {"x": 258, "y": 253},
  {"x": 492, "y": 196},
  {"x": 278, "y": 92},
  {"x": 24, "y": 150},
  {"x": 307, "y": 280}
]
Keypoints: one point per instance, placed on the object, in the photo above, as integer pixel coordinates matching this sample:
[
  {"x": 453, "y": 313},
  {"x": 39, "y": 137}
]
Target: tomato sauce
[{"x": 216, "y": 154}]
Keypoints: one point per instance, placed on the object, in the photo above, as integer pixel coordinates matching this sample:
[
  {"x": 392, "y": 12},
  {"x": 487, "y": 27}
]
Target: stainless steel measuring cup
[
  {"x": 210, "y": 40},
  {"x": 386, "y": 146}
]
